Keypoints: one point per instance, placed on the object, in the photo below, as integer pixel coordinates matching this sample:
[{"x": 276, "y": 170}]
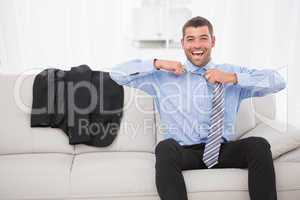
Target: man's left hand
[{"x": 219, "y": 76}]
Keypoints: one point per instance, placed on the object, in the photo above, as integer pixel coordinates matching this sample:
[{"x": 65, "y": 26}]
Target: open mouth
[{"x": 198, "y": 53}]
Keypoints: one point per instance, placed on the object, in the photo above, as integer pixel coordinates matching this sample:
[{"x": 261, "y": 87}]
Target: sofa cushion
[
  {"x": 123, "y": 176},
  {"x": 291, "y": 156},
  {"x": 113, "y": 174},
  {"x": 217, "y": 179},
  {"x": 265, "y": 107},
  {"x": 245, "y": 119},
  {"x": 15, "y": 132},
  {"x": 280, "y": 141},
  {"x": 252, "y": 111},
  {"x": 35, "y": 176},
  {"x": 233, "y": 183},
  {"x": 98, "y": 175},
  {"x": 137, "y": 130}
]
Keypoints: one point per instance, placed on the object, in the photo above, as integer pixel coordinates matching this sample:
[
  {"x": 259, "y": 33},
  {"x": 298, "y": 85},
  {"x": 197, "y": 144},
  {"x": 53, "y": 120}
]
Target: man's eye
[{"x": 190, "y": 39}]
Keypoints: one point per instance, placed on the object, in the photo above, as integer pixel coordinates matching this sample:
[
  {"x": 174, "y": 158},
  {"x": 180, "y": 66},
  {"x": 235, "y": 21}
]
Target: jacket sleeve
[
  {"x": 257, "y": 83},
  {"x": 41, "y": 104},
  {"x": 137, "y": 74}
]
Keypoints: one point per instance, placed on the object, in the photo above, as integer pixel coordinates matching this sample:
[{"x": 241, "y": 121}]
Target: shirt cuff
[
  {"x": 242, "y": 79},
  {"x": 148, "y": 66}
]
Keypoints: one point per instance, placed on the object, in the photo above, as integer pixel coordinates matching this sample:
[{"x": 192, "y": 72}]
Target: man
[{"x": 198, "y": 102}]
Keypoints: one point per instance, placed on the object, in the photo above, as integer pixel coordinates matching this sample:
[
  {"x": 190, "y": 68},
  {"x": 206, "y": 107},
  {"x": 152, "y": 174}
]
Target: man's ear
[
  {"x": 213, "y": 41},
  {"x": 182, "y": 42}
]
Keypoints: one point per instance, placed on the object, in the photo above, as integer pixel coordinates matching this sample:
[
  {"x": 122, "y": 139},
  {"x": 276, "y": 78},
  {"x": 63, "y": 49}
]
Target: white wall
[
  {"x": 64, "y": 33},
  {"x": 59, "y": 32}
]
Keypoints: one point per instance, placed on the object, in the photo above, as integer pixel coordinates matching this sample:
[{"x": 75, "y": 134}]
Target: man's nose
[{"x": 197, "y": 44}]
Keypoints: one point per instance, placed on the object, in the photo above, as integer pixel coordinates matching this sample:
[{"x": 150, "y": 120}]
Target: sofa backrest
[
  {"x": 16, "y": 134},
  {"x": 254, "y": 111},
  {"x": 137, "y": 131}
]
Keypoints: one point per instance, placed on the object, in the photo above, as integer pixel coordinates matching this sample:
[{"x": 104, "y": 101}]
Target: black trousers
[{"x": 252, "y": 153}]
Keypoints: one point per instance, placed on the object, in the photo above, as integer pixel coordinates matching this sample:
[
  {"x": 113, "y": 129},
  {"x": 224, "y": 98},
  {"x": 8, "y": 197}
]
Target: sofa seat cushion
[
  {"x": 232, "y": 184},
  {"x": 287, "y": 176},
  {"x": 121, "y": 175},
  {"x": 35, "y": 176},
  {"x": 291, "y": 156},
  {"x": 113, "y": 174}
]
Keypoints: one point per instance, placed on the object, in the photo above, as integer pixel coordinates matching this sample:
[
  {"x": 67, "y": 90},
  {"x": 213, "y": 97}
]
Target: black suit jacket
[{"x": 87, "y": 105}]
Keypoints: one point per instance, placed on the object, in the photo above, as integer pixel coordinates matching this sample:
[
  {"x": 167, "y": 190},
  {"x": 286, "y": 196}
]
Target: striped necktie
[{"x": 212, "y": 147}]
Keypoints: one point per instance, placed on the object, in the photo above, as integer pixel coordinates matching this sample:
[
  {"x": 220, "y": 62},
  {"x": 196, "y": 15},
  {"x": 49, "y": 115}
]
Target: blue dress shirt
[{"x": 184, "y": 101}]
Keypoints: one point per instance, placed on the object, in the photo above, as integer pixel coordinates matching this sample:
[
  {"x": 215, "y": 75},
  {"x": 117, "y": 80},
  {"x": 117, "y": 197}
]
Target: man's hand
[
  {"x": 212, "y": 75},
  {"x": 219, "y": 76},
  {"x": 168, "y": 65}
]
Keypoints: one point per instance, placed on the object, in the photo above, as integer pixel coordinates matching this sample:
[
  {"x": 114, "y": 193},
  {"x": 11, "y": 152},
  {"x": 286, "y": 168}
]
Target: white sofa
[{"x": 39, "y": 163}]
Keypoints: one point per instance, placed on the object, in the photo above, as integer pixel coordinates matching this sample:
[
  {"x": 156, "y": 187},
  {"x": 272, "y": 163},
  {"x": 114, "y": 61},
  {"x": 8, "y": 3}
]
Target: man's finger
[
  {"x": 178, "y": 71},
  {"x": 207, "y": 75},
  {"x": 209, "y": 71},
  {"x": 212, "y": 79}
]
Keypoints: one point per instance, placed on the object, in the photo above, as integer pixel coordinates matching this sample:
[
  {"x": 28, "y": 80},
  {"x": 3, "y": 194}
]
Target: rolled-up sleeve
[
  {"x": 135, "y": 73},
  {"x": 255, "y": 83}
]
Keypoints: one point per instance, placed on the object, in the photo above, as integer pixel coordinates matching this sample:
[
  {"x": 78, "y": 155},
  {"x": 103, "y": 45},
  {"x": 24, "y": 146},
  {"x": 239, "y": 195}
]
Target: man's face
[{"x": 197, "y": 44}]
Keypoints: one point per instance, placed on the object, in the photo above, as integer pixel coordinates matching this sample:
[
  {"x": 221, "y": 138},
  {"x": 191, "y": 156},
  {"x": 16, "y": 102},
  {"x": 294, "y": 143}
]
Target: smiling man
[{"x": 198, "y": 101}]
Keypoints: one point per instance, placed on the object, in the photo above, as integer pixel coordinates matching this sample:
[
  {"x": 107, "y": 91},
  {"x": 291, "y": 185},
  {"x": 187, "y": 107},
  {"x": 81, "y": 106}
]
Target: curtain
[{"x": 64, "y": 33}]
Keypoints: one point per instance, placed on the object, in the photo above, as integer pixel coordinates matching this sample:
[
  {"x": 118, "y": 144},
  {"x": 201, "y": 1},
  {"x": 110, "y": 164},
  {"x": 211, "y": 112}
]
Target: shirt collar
[{"x": 190, "y": 67}]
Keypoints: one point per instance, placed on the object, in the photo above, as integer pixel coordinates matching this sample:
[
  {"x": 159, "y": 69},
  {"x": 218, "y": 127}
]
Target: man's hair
[{"x": 197, "y": 22}]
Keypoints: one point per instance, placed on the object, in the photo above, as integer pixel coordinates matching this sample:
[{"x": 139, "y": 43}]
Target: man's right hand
[{"x": 168, "y": 65}]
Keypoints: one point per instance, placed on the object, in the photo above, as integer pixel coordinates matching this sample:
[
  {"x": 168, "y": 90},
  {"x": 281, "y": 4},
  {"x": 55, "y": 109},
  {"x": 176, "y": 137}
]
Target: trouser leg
[
  {"x": 252, "y": 153},
  {"x": 171, "y": 159}
]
